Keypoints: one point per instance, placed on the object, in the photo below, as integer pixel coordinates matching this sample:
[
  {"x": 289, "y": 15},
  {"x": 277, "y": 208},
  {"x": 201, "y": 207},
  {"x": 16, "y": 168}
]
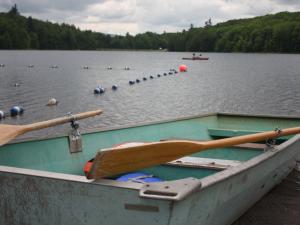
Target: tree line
[{"x": 271, "y": 33}]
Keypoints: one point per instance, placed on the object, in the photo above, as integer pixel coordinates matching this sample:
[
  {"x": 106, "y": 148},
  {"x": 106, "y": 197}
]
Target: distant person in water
[
  {"x": 200, "y": 54},
  {"x": 193, "y": 54}
]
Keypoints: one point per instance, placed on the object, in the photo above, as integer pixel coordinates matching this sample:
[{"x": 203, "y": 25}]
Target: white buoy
[
  {"x": 2, "y": 114},
  {"x": 52, "y": 101}
]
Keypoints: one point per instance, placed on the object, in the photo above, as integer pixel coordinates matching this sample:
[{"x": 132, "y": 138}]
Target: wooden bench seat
[{"x": 207, "y": 163}]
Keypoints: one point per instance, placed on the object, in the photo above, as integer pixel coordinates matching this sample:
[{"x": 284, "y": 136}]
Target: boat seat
[
  {"x": 207, "y": 163},
  {"x": 223, "y": 133}
]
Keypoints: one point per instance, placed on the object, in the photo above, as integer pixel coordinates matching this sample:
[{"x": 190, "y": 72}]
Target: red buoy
[{"x": 182, "y": 68}]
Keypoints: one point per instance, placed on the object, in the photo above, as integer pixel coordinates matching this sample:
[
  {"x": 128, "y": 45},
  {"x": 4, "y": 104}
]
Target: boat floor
[{"x": 281, "y": 206}]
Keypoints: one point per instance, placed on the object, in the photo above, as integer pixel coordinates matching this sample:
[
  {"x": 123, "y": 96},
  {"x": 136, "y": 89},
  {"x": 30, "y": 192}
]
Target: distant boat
[{"x": 195, "y": 58}]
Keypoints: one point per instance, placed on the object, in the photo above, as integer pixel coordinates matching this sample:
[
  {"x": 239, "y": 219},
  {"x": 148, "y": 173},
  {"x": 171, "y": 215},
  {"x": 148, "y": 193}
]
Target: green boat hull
[{"x": 43, "y": 183}]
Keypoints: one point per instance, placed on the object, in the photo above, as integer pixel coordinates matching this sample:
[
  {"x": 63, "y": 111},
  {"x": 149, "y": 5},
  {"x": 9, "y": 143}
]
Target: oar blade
[
  {"x": 116, "y": 161},
  {"x": 9, "y": 132}
]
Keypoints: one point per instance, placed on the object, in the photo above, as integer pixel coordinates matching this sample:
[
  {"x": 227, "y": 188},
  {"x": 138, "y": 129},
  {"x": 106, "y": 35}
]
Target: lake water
[{"x": 234, "y": 83}]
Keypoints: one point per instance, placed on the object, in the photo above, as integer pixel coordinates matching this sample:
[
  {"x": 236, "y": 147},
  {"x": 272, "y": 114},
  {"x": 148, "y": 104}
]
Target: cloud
[
  {"x": 39, "y": 6},
  {"x": 288, "y": 2},
  {"x": 112, "y": 10},
  {"x": 136, "y": 16}
]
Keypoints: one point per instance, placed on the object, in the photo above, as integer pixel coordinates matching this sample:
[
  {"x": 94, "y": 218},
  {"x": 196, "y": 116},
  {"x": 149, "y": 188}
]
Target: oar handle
[
  {"x": 65, "y": 119},
  {"x": 226, "y": 142}
]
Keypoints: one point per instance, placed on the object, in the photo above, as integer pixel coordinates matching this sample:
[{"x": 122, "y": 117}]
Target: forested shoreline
[{"x": 271, "y": 33}]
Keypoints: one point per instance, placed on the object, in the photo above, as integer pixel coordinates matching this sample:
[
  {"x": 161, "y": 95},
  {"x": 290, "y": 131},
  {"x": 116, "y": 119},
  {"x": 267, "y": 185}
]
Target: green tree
[
  {"x": 14, "y": 11},
  {"x": 270, "y": 33}
]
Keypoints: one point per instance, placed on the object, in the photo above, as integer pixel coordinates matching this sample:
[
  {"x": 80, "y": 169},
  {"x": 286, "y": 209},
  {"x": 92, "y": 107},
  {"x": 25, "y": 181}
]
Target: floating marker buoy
[
  {"x": 2, "y": 114},
  {"x": 102, "y": 90},
  {"x": 51, "y": 102},
  {"x": 144, "y": 78},
  {"x": 137, "y": 80},
  {"x": 114, "y": 87},
  {"x": 16, "y": 110},
  {"x": 182, "y": 68},
  {"x": 99, "y": 90},
  {"x": 151, "y": 77},
  {"x": 131, "y": 82}
]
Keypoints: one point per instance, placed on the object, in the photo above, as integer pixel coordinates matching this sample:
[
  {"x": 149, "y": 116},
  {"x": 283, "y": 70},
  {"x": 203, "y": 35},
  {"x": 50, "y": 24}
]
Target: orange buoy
[{"x": 182, "y": 68}]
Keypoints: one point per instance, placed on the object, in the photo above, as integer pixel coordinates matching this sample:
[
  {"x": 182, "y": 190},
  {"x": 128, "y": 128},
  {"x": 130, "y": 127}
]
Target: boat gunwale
[
  {"x": 68, "y": 177},
  {"x": 127, "y": 126}
]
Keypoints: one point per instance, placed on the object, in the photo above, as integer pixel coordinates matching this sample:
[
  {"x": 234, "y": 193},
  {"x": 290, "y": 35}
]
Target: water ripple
[{"x": 238, "y": 83}]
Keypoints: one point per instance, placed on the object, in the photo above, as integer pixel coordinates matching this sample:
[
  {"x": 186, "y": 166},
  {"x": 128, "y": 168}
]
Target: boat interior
[{"x": 54, "y": 155}]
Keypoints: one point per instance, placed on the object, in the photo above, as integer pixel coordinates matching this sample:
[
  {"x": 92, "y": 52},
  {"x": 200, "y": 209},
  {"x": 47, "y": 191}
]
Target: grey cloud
[
  {"x": 40, "y": 6},
  {"x": 182, "y": 17},
  {"x": 288, "y": 2},
  {"x": 145, "y": 15}
]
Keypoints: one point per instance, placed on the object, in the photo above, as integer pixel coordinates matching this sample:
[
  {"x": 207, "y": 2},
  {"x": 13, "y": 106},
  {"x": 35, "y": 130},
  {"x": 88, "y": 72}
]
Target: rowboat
[
  {"x": 195, "y": 58},
  {"x": 42, "y": 181}
]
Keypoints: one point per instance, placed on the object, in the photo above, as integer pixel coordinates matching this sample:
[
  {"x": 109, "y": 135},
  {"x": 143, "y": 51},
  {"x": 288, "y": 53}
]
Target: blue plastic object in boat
[{"x": 139, "y": 177}]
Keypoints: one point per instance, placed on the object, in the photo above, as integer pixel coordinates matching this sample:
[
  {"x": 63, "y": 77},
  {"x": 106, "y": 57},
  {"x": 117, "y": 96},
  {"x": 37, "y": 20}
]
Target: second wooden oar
[
  {"x": 113, "y": 161},
  {"x": 9, "y": 132}
]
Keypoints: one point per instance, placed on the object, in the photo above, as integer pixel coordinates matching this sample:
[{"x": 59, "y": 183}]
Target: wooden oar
[
  {"x": 113, "y": 161},
  {"x": 9, "y": 132}
]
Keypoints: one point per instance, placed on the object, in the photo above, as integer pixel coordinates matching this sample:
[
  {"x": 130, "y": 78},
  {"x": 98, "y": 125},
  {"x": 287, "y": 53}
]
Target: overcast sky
[{"x": 138, "y": 16}]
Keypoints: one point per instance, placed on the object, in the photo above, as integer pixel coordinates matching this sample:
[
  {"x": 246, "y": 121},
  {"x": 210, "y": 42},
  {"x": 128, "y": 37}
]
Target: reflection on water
[{"x": 238, "y": 83}]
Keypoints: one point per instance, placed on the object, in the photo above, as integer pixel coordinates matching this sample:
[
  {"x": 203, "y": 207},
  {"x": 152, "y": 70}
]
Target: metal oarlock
[
  {"x": 75, "y": 140},
  {"x": 271, "y": 142}
]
